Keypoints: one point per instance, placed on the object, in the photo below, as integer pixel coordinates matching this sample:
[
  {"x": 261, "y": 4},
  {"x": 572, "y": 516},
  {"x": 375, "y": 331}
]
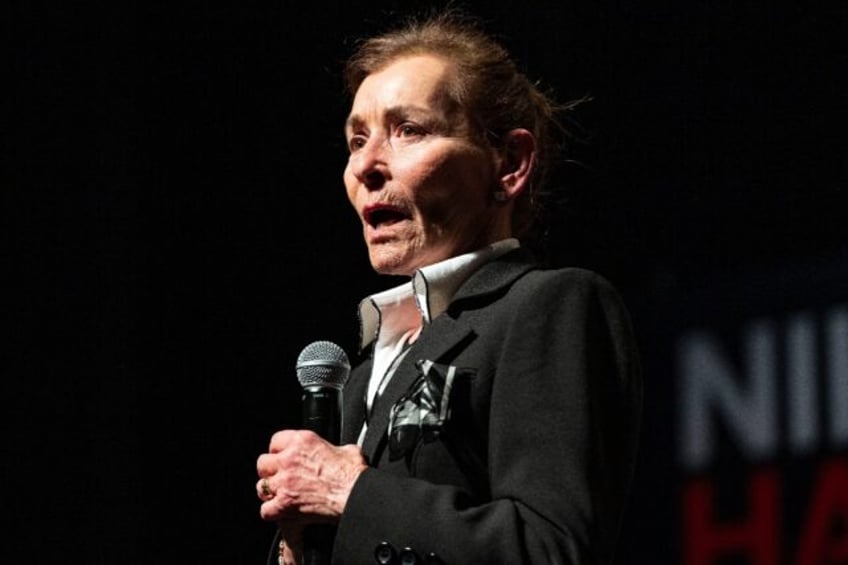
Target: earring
[{"x": 500, "y": 196}]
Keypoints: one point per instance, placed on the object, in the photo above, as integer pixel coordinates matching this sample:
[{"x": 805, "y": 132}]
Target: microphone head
[{"x": 323, "y": 364}]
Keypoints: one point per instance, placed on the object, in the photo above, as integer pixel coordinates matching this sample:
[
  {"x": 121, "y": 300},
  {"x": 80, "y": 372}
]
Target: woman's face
[{"x": 422, "y": 187}]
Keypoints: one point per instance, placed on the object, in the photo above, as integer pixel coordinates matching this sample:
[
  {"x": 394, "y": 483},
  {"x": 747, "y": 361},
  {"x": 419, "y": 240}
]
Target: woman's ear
[{"x": 518, "y": 157}]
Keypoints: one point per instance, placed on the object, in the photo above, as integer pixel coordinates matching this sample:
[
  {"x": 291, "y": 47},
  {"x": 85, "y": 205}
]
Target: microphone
[{"x": 322, "y": 370}]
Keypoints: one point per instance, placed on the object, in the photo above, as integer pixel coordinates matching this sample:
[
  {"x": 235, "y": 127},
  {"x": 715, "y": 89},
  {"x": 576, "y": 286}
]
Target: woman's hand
[{"x": 305, "y": 479}]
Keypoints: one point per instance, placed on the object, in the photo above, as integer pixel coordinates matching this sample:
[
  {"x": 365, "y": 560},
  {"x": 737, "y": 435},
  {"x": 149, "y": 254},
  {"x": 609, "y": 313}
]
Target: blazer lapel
[
  {"x": 354, "y": 402},
  {"x": 443, "y": 334}
]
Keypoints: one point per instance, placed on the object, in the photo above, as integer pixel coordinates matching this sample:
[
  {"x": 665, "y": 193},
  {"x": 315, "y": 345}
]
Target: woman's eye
[
  {"x": 356, "y": 142},
  {"x": 407, "y": 130}
]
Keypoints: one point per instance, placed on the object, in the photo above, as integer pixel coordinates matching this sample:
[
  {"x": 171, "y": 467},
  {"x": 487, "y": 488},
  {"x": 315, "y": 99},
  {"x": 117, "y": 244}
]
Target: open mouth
[{"x": 383, "y": 214}]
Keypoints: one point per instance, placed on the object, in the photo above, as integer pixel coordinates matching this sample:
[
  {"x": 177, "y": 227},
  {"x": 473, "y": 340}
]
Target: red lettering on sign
[
  {"x": 824, "y": 540},
  {"x": 754, "y": 537}
]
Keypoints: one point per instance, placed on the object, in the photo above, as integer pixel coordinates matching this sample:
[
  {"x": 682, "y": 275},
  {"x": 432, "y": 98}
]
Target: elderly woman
[{"x": 496, "y": 419}]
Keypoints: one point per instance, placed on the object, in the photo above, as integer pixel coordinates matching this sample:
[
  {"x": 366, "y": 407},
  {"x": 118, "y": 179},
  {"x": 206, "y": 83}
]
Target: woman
[{"x": 496, "y": 419}]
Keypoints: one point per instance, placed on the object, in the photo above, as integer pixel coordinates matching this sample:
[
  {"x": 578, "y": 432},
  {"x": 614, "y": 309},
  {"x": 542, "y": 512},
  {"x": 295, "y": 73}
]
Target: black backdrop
[{"x": 179, "y": 232}]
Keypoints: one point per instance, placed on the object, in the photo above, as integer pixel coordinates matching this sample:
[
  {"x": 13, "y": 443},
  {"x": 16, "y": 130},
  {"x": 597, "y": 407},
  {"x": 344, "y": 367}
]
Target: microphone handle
[
  {"x": 322, "y": 408},
  {"x": 318, "y": 544}
]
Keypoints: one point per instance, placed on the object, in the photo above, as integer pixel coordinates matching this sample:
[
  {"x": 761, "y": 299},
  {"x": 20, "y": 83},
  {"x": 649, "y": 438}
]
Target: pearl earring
[{"x": 500, "y": 196}]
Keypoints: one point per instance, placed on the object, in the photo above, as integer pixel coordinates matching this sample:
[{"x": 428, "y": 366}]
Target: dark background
[{"x": 179, "y": 232}]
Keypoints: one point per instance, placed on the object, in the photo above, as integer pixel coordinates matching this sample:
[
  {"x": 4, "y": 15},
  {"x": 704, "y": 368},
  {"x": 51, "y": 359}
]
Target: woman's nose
[{"x": 370, "y": 163}]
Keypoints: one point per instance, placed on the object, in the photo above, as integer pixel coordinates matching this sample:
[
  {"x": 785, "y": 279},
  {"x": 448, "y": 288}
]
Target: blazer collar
[{"x": 495, "y": 276}]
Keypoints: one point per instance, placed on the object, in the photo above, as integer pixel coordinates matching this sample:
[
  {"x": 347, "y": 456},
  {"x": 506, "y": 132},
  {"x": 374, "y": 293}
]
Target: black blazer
[{"x": 533, "y": 457}]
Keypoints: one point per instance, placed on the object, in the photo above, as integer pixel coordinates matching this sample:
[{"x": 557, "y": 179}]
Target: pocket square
[{"x": 420, "y": 414}]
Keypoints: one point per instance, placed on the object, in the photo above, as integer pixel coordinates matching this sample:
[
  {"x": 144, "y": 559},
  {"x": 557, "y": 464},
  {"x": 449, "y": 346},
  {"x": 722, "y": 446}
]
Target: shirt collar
[{"x": 387, "y": 315}]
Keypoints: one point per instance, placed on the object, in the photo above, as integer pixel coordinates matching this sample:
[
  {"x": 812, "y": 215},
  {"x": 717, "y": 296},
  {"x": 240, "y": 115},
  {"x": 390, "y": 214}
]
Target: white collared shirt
[{"x": 392, "y": 319}]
